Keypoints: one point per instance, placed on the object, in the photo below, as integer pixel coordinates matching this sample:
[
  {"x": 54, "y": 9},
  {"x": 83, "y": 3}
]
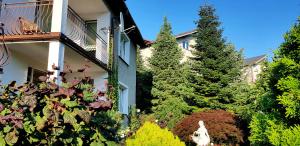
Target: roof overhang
[{"x": 117, "y": 6}]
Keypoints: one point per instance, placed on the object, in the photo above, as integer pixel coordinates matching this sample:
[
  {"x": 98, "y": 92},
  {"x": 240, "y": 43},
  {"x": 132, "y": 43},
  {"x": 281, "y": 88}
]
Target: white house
[
  {"x": 41, "y": 34},
  {"x": 252, "y": 66}
]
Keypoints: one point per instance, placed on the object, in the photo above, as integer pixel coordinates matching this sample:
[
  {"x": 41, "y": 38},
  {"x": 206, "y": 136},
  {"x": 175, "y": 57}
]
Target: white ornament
[{"x": 201, "y": 137}]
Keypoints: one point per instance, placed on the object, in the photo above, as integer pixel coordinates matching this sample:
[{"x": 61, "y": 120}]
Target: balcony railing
[
  {"x": 35, "y": 18},
  {"x": 86, "y": 36},
  {"x": 26, "y": 17}
]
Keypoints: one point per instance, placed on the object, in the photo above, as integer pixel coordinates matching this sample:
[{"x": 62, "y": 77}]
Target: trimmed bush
[
  {"x": 151, "y": 134},
  {"x": 221, "y": 126}
]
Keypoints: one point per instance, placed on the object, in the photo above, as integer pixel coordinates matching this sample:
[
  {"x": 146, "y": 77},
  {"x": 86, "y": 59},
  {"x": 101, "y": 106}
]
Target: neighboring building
[
  {"x": 43, "y": 33},
  {"x": 186, "y": 41},
  {"x": 253, "y": 67}
]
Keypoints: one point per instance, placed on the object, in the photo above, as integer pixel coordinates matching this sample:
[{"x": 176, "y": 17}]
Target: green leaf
[
  {"x": 2, "y": 140},
  {"x": 5, "y": 111},
  {"x": 79, "y": 141},
  {"x": 88, "y": 96},
  {"x": 28, "y": 127},
  {"x": 40, "y": 122},
  {"x": 11, "y": 138},
  {"x": 69, "y": 103},
  {"x": 111, "y": 143},
  {"x": 33, "y": 139},
  {"x": 6, "y": 129},
  {"x": 69, "y": 117},
  {"x": 96, "y": 144}
]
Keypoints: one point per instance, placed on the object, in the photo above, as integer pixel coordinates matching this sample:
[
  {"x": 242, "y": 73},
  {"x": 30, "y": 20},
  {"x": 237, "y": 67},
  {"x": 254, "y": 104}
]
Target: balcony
[{"x": 33, "y": 20}]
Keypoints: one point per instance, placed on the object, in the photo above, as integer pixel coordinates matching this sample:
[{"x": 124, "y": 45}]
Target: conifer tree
[
  {"x": 143, "y": 85},
  {"x": 169, "y": 82},
  {"x": 214, "y": 64}
]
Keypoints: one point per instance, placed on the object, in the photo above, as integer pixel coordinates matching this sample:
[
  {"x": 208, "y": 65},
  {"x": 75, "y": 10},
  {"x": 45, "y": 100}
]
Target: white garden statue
[{"x": 201, "y": 137}]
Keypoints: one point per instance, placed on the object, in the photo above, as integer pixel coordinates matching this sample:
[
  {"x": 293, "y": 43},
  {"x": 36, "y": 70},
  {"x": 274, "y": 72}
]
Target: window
[
  {"x": 185, "y": 45},
  {"x": 34, "y": 74},
  {"x": 123, "y": 99},
  {"x": 124, "y": 49}
]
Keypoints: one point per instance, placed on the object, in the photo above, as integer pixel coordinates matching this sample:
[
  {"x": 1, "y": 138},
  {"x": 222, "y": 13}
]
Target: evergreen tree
[
  {"x": 214, "y": 64},
  {"x": 169, "y": 81},
  {"x": 143, "y": 85}
]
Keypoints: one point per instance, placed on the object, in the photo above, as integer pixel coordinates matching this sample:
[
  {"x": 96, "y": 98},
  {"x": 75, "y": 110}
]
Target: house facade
[
  {"x": 60, "y": 35},
  {"x": 252, "y": 66}
]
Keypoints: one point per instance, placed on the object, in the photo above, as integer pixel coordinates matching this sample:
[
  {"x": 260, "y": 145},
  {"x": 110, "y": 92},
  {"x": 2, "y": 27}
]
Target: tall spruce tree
[
  {"x": 169, "y": 81},
  {"x": 215, "y": 64}
]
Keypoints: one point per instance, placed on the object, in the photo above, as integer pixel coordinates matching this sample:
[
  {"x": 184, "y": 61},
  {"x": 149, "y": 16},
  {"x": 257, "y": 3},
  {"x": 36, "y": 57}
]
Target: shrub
[
  {"x": 152, "y": 135},
  {"x": 171, "y": 111},
  {"x": 221, "y": 126},
  {"x": 48, "y": 114}
]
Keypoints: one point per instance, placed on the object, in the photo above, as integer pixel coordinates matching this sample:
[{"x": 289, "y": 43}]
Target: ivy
[{"x": 113, "y": 74}]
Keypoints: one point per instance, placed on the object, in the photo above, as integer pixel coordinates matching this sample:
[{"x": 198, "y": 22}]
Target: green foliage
[
  {"x": 152, "y": 135},
  {"x": 258, "y": 126},
  {"x": 279, "y": 109},
  {"x": 134, "y": 119},
  {"x": 269, "y": 129},
  {"x": 144, "y": 85},
  {"x": 113, "y": 76},
  {"x": 243, "y": 99},
  {"x": 48, "y": 114},
  {"x": 170, "y": 84},
  {"x": 172, "y": 110},
  {"x": 214, "y": 64}
]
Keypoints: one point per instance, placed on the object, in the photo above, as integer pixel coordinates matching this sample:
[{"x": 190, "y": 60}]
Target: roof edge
[{"x": 117, "y": 6}]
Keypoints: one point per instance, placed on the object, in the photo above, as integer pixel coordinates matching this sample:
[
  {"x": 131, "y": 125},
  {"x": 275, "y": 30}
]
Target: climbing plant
[{"x": 113, "y": 74}]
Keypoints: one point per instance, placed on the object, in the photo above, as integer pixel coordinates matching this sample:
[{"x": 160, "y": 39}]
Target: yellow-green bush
[{"x": 151, "y": 134}]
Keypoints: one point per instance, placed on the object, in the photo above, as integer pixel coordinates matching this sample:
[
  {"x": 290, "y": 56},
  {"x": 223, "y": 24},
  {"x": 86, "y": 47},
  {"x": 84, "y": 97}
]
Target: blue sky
[{"x": 255, "y": 25}]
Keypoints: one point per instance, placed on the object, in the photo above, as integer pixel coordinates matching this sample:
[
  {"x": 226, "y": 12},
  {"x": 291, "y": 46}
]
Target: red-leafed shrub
[{"x": 222, "y": 127}]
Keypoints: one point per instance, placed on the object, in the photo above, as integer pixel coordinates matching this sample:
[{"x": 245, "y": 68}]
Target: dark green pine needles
[{"x": 215, "y": 64}]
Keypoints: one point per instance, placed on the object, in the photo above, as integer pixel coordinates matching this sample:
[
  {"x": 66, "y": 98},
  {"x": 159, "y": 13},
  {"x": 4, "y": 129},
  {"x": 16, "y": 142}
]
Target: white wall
[
  {"x": 17, "y": 68},
  {"x": 186, "y": 53},
  {"x": 251, "y": 73},
  {"x": 103, "y": 26},
  {"x": 147, "y": 52}
]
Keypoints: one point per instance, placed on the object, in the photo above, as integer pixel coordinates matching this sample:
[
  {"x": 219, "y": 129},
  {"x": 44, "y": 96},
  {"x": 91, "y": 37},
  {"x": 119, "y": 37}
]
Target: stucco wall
[
  {"x": 186, "y": 53},
  {"x": 17, "y": 68},
  {"x": 126, "y": 73},
  {"x": 147, "y": 52},
  {"x": 251, "y": 73}
]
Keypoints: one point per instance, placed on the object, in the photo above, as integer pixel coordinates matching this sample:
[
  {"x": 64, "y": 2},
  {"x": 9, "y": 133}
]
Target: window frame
[
  {"x": 31, "y": 77},
  {"x": 124, "y": 48},
  {"x": 123, "y": 102},
  {"x": 185, "y": 45}
]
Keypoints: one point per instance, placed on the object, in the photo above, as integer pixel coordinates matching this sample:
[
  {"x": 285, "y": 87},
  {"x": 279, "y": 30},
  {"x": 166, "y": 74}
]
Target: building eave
[
  {"x": 57, "y": 36},
  {"x": 117, "y": 6}
]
